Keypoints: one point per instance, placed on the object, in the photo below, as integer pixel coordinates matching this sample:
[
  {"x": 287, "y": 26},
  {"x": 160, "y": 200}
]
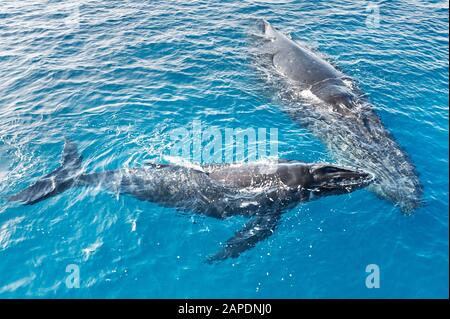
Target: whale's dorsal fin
[
  {"x": 256, "y": 230},
  {"x": 156, "y": 165},
  {"x": 160, "y": 166},
  {"x": 286, "y": 160}
]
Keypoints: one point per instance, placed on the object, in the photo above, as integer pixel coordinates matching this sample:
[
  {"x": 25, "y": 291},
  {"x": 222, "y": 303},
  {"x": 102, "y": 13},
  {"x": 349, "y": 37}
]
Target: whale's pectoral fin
[{"x": 258, "y": 229}]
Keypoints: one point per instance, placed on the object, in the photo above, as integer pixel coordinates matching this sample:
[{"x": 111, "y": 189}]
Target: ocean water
[{"x": 117, "y": 77}]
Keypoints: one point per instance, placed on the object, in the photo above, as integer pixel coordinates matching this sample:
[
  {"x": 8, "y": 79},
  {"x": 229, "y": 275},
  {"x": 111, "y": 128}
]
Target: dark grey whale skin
[
  {"x": 261, "y": 192},
  {"x": 342, "y": 118}
]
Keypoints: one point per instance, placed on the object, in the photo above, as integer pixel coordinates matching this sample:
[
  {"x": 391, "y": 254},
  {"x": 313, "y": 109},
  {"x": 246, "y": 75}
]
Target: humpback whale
[
  {"x": 329, "y": 104},
  {"x": 259, "y": 191}
]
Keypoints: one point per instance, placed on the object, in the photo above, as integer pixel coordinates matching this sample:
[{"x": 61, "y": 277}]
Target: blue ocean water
[{"x": 117, "y": 76}]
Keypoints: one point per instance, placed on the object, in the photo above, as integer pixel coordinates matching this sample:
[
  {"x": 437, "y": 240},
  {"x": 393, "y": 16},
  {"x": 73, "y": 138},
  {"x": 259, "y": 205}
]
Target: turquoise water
[{"x": 117, "y": 76}]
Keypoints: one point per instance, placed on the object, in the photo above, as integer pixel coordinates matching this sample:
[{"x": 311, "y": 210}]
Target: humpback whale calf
[
  {"x": 328, "y": 103},
  {"x": 259, "y": 191}
]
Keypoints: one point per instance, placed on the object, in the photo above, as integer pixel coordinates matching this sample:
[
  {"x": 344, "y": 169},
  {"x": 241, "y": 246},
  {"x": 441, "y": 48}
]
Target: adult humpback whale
[
  {"x": 325, "y": 101},
  {"x": 258, "y": 191}
]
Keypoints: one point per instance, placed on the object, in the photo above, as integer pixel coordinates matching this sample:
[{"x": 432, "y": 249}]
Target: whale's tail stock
[{"x": 56, "y": 182}]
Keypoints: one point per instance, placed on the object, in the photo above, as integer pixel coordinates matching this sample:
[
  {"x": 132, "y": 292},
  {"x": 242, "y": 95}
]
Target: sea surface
[{"x": 118, "y": 77}]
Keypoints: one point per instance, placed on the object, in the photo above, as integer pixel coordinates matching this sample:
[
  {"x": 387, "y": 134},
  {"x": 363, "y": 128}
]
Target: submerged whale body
[
  {"x": 261, "y": 192},
  {"x": 325, "y": 101}
]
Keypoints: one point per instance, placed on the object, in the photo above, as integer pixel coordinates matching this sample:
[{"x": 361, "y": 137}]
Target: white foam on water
[
  {"x": 348, "y": 83},
  {"x": 7, "y": 230},
  {"x": 181, "y": 161},
  {"x": 310, "y": 96},
  {"x": 91, "y": 248},
  {"x": 246, "y": 204}
]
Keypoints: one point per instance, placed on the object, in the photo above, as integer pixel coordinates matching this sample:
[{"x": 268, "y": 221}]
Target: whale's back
[{"x": 296, "y": 62}]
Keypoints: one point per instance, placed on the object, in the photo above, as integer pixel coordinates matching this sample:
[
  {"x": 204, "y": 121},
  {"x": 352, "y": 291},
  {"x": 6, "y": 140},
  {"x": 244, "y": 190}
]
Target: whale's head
[
  {"x": 335, "y": 93},
  {"x": 328, "y": 179},
  {"x": 345, "y": 98}
]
